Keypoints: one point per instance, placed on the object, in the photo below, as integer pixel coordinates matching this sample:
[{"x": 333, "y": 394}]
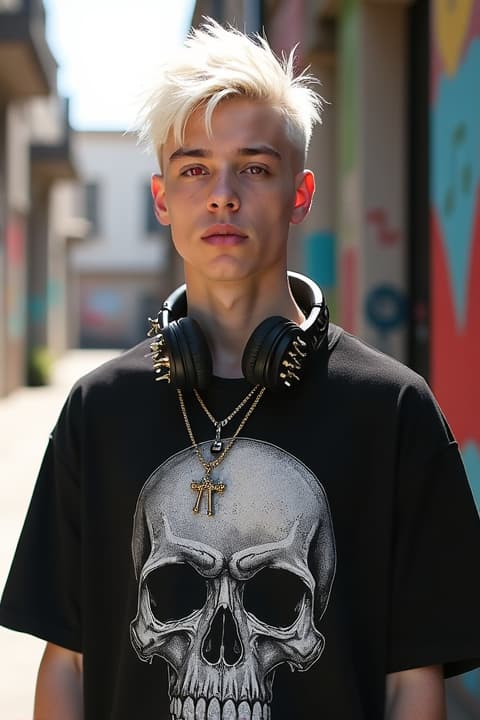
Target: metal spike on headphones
[
  {"x": 297, "y": 357},
  {"x": 155, "y": 326},
  {"x": 161, "y": 361},
  {"x": 299, "y": 344}
]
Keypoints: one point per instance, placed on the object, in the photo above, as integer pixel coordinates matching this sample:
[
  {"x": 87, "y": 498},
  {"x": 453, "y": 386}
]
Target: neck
[{"x": 229, "y": 312}]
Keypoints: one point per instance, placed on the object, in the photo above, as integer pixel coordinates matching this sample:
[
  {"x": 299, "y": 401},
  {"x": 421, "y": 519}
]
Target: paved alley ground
[{"x": 26, "y": 418}]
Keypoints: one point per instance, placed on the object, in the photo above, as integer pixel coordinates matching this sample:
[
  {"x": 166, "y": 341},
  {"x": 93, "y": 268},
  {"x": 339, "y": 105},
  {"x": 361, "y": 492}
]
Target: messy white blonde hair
[{"x": 217, "y": 63}]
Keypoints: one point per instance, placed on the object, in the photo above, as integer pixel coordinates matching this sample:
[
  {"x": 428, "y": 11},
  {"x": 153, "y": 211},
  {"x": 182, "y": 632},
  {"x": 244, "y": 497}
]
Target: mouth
[{"x": 224, "y": 235}]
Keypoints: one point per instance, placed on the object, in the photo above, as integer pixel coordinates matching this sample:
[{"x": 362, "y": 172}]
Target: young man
[{"x": 283, "y": 530}]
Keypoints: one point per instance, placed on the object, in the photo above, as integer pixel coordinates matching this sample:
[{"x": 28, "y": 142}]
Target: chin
[{"x": 228, "y": 268}]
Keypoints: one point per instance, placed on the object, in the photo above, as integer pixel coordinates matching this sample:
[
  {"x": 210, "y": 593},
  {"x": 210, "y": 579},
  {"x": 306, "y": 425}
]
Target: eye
[
  {"x": 194, "y": 171},
  {"x": 274, "y": 597},
  {"x": 175, "y": 591},
  {"x": 256, "y": 170}
]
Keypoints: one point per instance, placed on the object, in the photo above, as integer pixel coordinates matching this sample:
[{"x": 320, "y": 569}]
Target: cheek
[
  {"x": 277, "y": 213},
  {"x": 180, "y": 237},
  {"x": 279, "y": 202}
]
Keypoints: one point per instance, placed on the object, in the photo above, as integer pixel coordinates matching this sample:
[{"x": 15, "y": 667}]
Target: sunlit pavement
[{"x": 26, "y": 418}]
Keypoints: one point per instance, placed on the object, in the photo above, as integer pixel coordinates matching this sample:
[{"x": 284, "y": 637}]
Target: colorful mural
[
  {"x": 103, "y": 313},
  {"x": 385, "y": 302},
  {"x": 320, "y": 258},
  {"x": 455, "y": 240},
  {"x": 349, "y": 188},
  {"x": 15, "y": 256}
]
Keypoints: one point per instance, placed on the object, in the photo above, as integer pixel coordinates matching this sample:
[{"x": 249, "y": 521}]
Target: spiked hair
[{"x": 218, "y": 63}]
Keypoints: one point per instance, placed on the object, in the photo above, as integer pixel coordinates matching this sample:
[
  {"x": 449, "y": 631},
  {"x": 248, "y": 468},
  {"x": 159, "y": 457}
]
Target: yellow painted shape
[{"x": 451, "y": 25}]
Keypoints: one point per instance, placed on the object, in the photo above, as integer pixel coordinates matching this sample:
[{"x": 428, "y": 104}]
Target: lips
[{"x": 223, "y": 234}]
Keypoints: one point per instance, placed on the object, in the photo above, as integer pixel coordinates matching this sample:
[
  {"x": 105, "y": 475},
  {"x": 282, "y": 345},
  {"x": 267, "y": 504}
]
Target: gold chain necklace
[
  {"x": 206, "y": 484},
  {"x": 217, "y": 445}
]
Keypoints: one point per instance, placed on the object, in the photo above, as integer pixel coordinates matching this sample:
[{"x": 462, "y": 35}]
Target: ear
[
  {"x": 305, "y": 182},
  {"x": 157, "y": 187}
]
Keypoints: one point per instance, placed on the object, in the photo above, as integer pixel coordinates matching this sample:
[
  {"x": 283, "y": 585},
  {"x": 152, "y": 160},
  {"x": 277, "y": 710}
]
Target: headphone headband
[{"x": 310, "y": 298}]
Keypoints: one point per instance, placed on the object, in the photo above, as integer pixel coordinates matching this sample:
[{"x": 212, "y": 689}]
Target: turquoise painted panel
[
  {"x": 471, "y": 459},
  {"x": 320, "y": 258},
  {"x": 455, "y": 167}
]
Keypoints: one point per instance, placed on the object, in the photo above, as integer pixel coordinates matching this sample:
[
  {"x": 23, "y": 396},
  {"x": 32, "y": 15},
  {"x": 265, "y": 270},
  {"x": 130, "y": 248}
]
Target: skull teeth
[{"x": 201, "y": 709}]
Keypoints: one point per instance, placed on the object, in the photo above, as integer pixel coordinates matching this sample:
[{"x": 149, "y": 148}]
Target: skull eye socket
[
  {"x": 274, "y": 596},
  {"x": 175, "y": 591}
]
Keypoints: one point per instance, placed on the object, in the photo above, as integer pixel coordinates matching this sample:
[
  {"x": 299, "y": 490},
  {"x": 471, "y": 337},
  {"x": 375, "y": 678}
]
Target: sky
[{"x": 107, "y": 51}]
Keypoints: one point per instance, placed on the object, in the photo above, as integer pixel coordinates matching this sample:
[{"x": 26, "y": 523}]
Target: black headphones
[{"x": 275, "y": 356}]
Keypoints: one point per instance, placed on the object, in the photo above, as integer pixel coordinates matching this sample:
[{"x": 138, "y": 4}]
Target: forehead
[{"x": 236, "y": 123}]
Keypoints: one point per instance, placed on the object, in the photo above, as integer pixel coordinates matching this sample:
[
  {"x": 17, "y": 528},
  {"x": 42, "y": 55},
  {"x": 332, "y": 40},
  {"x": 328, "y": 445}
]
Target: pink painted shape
[
  {"x": 15, "y": 242},
  {"x": 287, "y": 28},
  {"x": 348, "y": 286}
]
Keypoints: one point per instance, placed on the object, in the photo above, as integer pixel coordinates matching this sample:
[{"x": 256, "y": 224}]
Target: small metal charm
[{"x": 217, "y": 445}]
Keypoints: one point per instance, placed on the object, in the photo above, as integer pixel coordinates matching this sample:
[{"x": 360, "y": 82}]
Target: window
[{"x": 92, "y": 206}]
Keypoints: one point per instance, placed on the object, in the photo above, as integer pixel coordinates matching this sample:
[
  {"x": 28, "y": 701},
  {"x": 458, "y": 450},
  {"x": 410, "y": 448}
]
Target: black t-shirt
[{"x": 342, "y": 548}]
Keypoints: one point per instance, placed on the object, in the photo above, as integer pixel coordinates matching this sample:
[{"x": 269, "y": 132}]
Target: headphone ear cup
[
  {"x": 266, "y": 350},
  {"x": 188, "y": 353}
]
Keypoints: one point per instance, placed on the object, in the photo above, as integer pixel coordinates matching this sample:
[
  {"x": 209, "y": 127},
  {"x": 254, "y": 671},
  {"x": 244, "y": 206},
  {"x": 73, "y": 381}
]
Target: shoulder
[
  {"x": 368, "y": 383},
  {"x": 114, "y": 385},
  {"x": 360, "y": 365},
  {"x": 128, "y": 369}
]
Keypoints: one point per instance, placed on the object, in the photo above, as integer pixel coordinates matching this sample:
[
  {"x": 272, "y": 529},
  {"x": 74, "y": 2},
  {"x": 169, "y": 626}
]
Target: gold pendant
[{"x": 206, "y": 486}]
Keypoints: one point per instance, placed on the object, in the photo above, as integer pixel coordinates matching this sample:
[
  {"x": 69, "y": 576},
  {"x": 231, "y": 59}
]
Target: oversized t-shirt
[{"x": 343, "y": 546}]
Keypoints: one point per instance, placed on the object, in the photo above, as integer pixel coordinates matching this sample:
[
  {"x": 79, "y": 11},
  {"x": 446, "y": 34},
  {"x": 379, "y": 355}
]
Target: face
[{"x": 230, "y": 198}]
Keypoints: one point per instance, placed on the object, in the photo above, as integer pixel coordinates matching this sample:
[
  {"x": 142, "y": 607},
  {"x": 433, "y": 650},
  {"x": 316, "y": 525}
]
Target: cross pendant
[{"x": 206, "y": 486}]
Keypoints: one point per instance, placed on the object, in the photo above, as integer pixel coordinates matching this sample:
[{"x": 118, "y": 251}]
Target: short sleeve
[
  {"x": 43, "y": 592},
  {"x": 436, "y": 549}
]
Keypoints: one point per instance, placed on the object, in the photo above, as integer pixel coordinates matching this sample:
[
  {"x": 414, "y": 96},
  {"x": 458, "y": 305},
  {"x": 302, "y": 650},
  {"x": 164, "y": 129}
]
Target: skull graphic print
[{"x": 252, "y": 582}]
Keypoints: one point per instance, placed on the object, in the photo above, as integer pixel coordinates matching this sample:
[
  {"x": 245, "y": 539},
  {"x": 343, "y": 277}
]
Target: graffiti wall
[
  {"x": 349, "y": 199},
  {"x": 15, "y": 300},
  {"x": 371, "y": 223},
  {"x": 455, "y": 239}
]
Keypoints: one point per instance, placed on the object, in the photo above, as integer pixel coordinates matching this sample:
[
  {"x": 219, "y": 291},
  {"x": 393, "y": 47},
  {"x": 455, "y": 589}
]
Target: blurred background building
[
  {"x": 34, "y": 153},
  {"x": 121, "y": 273},
  {"x": 393, "y": 236}
]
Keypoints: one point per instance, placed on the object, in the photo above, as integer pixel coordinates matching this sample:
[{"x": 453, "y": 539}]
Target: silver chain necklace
[
  {"x": 206, "y": 485},
  {"x": 217, "y": 445}
]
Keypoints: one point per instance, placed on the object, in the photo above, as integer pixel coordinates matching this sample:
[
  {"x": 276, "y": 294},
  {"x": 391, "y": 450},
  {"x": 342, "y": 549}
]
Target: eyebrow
[{"x": 186, "y": 152}]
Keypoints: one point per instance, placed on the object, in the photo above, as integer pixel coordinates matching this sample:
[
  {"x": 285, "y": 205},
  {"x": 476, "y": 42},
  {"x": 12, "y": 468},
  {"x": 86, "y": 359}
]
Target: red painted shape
[
  {"x": 348, "y": 285},
  {"x": 455, "y": 352},
  {"x": 15, "y": 244},
  {"x": 385, "y": 235}
]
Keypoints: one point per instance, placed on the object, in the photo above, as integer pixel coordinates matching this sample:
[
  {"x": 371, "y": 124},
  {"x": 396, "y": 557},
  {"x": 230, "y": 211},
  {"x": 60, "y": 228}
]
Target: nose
[
  {"x": 222, "y": 642},
  {"x": 223, "y": 194}
]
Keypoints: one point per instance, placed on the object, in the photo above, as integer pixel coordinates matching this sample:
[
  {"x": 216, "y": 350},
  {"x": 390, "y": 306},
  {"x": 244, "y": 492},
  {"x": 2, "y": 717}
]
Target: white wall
[
  {"x": 121, "y": 168},
  {"x": 18, "y": 157}
]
